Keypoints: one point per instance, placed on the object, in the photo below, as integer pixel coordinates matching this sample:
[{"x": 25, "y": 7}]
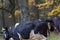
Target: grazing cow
[
  {"x": 24, "y": 29},
  {"x": 9, "y": 32}
]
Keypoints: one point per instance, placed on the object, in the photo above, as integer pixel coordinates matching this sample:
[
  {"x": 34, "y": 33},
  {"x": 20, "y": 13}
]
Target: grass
[
  {"x": 54, "y": 37},
  {"x": 1, "y": 37}
]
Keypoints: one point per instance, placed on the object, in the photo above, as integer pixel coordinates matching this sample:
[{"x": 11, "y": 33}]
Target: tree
[
  {"x": 39, "y": 1},
  {"x": 24, "y": 10},
  {"x": 4, "y": 25},
  {"x": 12, "y": 9},
  {"x": 35, "y": 10}
]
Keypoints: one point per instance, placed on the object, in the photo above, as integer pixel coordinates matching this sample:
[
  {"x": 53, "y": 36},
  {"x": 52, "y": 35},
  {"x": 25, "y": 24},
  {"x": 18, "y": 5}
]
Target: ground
[
  {"x": 54, "y": 37},
  {"x": 51, "y": 37},
  {"x": 1, "y": 37}
]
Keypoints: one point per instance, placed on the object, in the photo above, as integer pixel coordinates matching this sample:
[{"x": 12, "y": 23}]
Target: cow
[
  {"x": 9, "y": 31},
  {"x": 23, "y": 30},
  {"x": 54, "y": 25}
]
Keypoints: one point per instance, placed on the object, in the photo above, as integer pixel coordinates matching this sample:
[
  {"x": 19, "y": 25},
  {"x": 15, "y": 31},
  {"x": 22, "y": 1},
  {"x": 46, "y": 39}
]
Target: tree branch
[{"x": 5, "y": 9}]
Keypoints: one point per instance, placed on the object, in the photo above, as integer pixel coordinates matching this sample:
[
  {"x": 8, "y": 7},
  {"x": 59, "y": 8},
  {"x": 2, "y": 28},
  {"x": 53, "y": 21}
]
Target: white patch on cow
[
  {"x": 36, "y": 36},
  {"x": 11, "y": 39},
  {"x": 19, "y": 35},
  {"x": 32, "y": 32},
  {"x": 9, "y": 27},
  {"x": 44, "y": 38},
  {"x": 3, "y": 29},
  {"x": 39, "y": 19},
  {"x": 16, "y": 25}
]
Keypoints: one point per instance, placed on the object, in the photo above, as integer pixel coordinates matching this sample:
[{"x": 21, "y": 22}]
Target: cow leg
[
  {"x": 48, "y": 32},
  {"x": 56, "y": 30},
  {"x": 15, "y": 36}
]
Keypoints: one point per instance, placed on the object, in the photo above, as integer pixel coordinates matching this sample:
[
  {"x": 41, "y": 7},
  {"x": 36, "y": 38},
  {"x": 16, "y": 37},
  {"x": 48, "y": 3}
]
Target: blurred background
[{"x": 13, "y": 11}]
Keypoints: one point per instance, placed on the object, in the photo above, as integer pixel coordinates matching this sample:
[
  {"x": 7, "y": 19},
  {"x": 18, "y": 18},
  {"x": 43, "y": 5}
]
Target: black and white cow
[
  {"x": 9, "y": 32},
  {"x": 23, "y": 30}
]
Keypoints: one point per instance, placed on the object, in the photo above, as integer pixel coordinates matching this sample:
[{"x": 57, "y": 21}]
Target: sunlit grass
[
  {"x": 1, "y": 37},
  {"x": 54, "y": 37}
]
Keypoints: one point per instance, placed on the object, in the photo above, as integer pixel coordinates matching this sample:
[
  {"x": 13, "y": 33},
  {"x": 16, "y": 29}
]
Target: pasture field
[
  {"x": 54, "y": 36},
  {"x": 51, "y": 37},
  {"x": 1, "y": 37}
]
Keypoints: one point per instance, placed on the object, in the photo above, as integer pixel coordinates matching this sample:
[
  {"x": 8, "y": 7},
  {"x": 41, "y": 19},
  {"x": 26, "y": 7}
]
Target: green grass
[
  {"x": 54, "y": 37},
  {"x": 1, "y": 37}
]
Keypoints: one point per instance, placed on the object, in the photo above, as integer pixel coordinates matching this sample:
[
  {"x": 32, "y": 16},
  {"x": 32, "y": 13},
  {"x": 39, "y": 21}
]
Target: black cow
[
  {"x": 24, "y": 28},
  {"x": 8, "y": 32}
]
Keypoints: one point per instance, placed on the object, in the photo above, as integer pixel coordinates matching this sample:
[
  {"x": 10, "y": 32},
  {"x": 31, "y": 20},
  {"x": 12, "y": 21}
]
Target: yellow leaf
[
  {"x": 31, "y": 1},
  {"x": 17, "y": 12},
  {"x": 54, "y": 11},
  {"x": 47, "y": 3}
]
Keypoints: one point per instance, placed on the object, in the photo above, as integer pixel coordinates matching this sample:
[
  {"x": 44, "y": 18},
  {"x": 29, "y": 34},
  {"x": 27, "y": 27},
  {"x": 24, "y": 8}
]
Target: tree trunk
[
  {"x": 24, "y": 10},
  {"x": 12, "y": 8},
  {"x": 4, "y": 25},
  {"x": 36, "y": 12}
]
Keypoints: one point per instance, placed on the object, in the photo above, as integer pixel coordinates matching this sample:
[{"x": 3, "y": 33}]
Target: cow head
[{"x": 5, "y": 33}]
